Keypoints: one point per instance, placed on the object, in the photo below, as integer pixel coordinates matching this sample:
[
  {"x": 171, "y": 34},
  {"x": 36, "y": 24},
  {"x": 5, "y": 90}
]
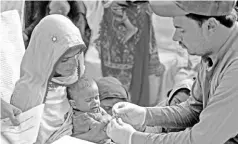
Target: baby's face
[
  {"x": 107, "y": 104},
  {"x": 179, "y": 98},
  {"x": 87, "y": 100}
]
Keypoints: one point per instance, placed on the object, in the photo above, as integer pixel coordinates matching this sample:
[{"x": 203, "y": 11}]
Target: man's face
[{"x": 189, "y": 35}]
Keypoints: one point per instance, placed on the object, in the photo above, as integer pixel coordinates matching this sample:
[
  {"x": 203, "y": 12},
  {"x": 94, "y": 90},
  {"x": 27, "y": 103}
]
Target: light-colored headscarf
[{"x": 51, "y": 38}]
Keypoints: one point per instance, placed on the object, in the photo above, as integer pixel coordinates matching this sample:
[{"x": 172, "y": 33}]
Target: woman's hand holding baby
[{"x": 98, "y": 128}]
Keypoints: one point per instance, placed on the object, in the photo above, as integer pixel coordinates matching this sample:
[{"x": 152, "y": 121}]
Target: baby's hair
[{"x": 82, "y": 84}]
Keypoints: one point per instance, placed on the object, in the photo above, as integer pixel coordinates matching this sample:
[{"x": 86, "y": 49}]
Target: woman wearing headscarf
[{"x": 52, "y": 61}]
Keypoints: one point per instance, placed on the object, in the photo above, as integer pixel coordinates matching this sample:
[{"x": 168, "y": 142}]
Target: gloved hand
[
  {"x": 130, "y": 113},
  {"x": 119, "y": 131},
  {"x": 10, "y": 111}
]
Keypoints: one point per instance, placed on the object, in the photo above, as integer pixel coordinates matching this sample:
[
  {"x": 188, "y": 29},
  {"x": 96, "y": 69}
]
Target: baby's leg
[{"x": 130, "y": 28}]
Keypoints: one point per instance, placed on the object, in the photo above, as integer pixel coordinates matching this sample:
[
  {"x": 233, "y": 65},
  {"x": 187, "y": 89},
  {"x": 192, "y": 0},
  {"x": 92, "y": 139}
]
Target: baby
[
  {"x": 121, "y": 16},
  {"x": 84, "y": 98},
  {"x": 111, "y": 91}
]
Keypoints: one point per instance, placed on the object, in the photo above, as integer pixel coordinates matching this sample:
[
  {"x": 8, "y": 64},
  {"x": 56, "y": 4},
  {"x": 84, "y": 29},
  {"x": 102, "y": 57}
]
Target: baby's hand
[{"x": 106, "y": 118}]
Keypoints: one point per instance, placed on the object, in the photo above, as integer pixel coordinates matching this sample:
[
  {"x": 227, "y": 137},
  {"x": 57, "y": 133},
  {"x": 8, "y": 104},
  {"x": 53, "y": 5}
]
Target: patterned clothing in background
[{"x": 135, "y": 60}]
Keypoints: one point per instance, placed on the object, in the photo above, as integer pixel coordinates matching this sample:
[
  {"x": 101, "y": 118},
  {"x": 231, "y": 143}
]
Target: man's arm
[
  {"x": 217, "y": 122},
  {"x": 184, "y": 115}
]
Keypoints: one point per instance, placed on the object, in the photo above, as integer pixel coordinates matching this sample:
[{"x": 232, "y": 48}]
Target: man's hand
[
  {"x": 130, "y": 113},
  {"x": 10, "y": 111},
  {"x": 119, "y": 131}
]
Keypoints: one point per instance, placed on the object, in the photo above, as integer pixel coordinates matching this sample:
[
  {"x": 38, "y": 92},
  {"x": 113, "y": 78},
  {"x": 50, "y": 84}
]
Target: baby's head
[
  {"x": 59, "y": 7},
  {"x": 180, "y": 92},
  {"x": 111, "y": 91},
  {"x": 84, "y": 95}
]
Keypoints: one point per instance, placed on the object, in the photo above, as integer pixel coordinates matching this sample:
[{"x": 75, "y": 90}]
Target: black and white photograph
[{"x": 119, "y": 71}]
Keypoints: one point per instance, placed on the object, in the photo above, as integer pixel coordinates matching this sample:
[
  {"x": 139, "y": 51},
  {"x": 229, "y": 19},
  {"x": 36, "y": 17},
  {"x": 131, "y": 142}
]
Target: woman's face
[
  {"x": 69, "y": 62},
  {"x": 108, "y": 103}
]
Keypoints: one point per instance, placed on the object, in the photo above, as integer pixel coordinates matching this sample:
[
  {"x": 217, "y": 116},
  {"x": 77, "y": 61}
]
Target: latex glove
[
  {"x": 130, "y": 113},
  {"x": 10, "y": 111},
  {"x": 119, "y": 131}
]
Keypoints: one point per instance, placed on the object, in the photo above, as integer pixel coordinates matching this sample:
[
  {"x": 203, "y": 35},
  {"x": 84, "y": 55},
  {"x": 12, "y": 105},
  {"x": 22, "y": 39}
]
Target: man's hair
[
  {"x": 228, "y": 20},
  {"x": 82, "y": 84}
]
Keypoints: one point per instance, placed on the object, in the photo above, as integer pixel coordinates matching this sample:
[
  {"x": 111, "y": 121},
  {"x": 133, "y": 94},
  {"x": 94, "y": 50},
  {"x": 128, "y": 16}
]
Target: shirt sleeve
[
  {"x": 218, "y": 121},
  {"x": 183, "y": 115}
]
